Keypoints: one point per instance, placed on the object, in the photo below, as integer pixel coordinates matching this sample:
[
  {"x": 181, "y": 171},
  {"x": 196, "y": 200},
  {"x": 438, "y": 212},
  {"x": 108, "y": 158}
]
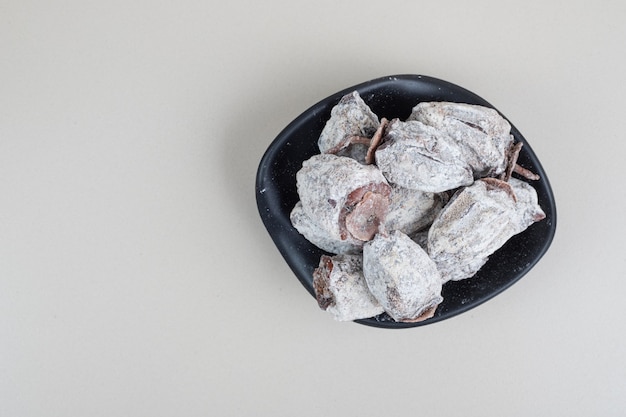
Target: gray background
[{"x": 136, "y": 277}]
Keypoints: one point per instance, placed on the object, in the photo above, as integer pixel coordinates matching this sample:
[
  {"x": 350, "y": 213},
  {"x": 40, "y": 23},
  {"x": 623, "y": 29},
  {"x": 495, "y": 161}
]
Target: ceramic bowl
[{"x": 391, "y": 97}]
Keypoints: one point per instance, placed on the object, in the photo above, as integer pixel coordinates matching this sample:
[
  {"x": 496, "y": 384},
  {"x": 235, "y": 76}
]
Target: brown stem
[
  {"x": 497, "y": 184},
  {"x": 359, "y": 140},
  {"x": 512, "y": 165},
  {"x": 378, "y": 136},
  {"x": 526, "y": 173},
  {"x": 513, "y": 154}
]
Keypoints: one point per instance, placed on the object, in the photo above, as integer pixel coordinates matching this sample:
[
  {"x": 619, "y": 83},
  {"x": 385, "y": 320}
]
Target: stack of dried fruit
[{"x": 406, "y": 206}]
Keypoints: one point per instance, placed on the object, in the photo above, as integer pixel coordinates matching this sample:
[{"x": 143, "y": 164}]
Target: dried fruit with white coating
[
  {"x": 420, "y": 157},
  {"x": 350, "y": 121},
  {"x": 317, "y": 236},
  {"x": 345, "y": 199},
  {"x": 402, "y": 277},
  {"x": 475, "y": 223},
  {"x": 341, "y": 290},
  {"x": 412, "y": 210},
  {"x": 484, "y": 136}
]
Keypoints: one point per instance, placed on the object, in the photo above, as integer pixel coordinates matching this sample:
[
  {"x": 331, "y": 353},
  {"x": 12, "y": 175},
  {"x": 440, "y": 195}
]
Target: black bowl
[{"x": 390, "y": 97}]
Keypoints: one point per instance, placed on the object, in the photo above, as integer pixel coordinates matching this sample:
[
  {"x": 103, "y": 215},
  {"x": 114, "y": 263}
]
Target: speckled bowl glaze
[{"x": 390, "y": 97}]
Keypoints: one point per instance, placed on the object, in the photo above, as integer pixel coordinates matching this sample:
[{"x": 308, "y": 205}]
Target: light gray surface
[{"x": 136, "y": 277}]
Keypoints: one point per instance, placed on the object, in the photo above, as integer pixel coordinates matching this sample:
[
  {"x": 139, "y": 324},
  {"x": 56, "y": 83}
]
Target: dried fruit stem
[
  {"x": 513, "y": 166},
  {"x": 526, "y": 173},
  {"x": 373, "y": 145},
  {"x": 512, "y": 156}
]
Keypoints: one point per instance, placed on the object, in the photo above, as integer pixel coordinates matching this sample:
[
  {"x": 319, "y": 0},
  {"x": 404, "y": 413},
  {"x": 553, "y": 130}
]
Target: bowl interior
[{"x": 392, "y": 97}]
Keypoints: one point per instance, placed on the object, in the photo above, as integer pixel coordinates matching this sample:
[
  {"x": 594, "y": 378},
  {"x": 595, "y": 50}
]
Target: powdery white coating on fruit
[
  {"x": 411, "y": 210},
  {"x": 476, "y": 222},
  {"x": 341, "y": 289},
  {"x": 402, "y": 277},
  {"x": 324, "y": 184},
  {"x": 421, "y": 157},
  {"x": 528, "y": 209},
  {"x": 314, "y": 234},
  {"x": 484, "y": 135},
  {"x": 350, "y": 117}
]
